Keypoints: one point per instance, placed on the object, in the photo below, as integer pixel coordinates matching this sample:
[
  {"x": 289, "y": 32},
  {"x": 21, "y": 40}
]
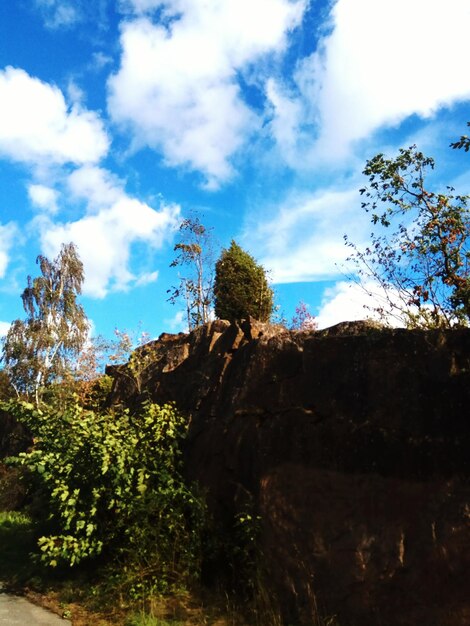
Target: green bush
[
  {"x": 241, "y": 287},
  {"x": 111, "y": 485}
]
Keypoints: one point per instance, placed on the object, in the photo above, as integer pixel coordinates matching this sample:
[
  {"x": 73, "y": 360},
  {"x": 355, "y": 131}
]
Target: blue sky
[{"x": 118, "y": 118}]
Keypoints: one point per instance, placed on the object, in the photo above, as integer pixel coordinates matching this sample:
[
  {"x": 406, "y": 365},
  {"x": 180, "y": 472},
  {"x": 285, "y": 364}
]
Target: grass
[
  {"x": 144, "y": 619},
  {"x": 16, "y": 545},
  {"x": 84, "y": 597},
  {"x": 21, "y": 573},
  {"x": 95, "y": 600}
]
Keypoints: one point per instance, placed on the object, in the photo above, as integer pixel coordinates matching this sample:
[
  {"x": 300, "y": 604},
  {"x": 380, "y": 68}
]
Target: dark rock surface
[{"x": 353, "y": 443}]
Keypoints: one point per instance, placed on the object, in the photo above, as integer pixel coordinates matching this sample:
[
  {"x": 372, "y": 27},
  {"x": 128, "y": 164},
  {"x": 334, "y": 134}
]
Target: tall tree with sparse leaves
[
  {"x": 195, "y": 258},
  {"x": 419, "y": 254},
  {"x": 43, "y": 347},
  {"x": 241, "y": 287}
]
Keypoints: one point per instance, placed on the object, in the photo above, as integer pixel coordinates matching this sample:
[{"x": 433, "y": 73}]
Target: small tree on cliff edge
[
  {"x": 241, "y": 287},
  {"x": 195, "y": 258}
]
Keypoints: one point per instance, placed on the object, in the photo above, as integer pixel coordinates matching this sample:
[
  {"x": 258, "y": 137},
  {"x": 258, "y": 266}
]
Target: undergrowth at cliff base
[
  {"x": 108, "y": 487},
  {"x": 109, "y": 519},
  {"x": 16, "y": 543},
  {"x": 114, "y": 528}
]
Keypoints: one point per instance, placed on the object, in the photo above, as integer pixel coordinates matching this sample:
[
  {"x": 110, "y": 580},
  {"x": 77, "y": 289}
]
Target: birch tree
[{"x": 43, "y": 347}]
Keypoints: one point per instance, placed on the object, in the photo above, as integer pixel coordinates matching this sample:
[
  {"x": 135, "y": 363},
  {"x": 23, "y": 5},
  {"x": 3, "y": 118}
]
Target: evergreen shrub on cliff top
[{"x": 241, "y": 287}]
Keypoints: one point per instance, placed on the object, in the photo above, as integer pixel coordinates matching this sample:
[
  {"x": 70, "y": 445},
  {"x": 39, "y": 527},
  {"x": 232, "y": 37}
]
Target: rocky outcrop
[{"x": 352, "y": 443}]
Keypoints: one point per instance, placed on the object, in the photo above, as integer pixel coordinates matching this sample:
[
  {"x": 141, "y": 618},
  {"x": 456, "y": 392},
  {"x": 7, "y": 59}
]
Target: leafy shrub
[{"x": 114, "y": 487}]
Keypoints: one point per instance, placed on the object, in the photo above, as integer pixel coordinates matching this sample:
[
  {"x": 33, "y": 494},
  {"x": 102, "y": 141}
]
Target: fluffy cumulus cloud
[
  {"x": 43, "y": 197},
  {"x": 382, "y": 62},
  {"x": 345, "y": 302},
  {"x": 349, "y": 301},
  {"x": 99, "y": 187},
  {"x": 177, "y": 88},
  {"x": 37, "y": 126},
  {"x": 105, "y": 236}
]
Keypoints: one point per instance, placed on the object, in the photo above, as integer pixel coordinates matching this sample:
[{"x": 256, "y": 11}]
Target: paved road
[{"x": 15, "y": 611}]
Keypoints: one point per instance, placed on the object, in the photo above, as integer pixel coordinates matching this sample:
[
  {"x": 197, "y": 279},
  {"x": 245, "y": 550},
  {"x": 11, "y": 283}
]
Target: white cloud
[
  {"x": 287, "y": 113},
  {"x": 177, "y": 323},
  {"x": 379, "y": 64},
  {"x": 303, "y": 240},
  {"x": 98, "y": 186},
  {"x": 146, "y": 279},
  {"x": 75, "y": 93},
  {"x": 58, "y": 13},
  {"x": 8, "y": 233},
  {"x": 345, "y": 302},
  {"x": 43, "y": 197},
  {"x": 36, "y": 126},
  {"x": 177, "y": 87},
  {"x": 349, "y": 301},
  {"x": 106, "y": 234},
  {"x": 100, "y": 60},
  {"x": 383, "y": 62},
  {"x": 4, "y": 328},
  {"x": 66, "y": 14}
]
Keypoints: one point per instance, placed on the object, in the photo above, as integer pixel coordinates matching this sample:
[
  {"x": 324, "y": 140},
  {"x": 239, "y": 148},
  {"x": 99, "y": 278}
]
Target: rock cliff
[{"x": 352, "y": 443}]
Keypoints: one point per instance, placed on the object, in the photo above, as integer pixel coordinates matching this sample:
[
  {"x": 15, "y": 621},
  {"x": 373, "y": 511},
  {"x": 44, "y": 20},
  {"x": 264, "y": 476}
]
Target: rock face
[{"x": 352, "y": 443}]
